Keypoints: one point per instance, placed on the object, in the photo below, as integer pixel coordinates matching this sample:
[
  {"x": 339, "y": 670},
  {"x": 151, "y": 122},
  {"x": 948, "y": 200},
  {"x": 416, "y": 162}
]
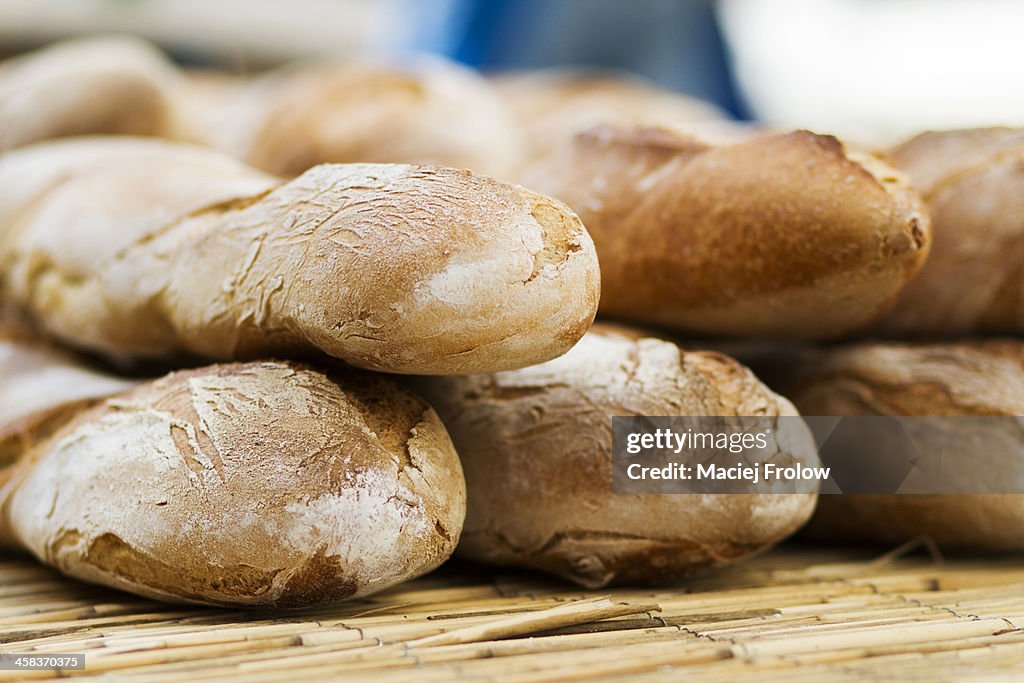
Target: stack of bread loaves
[
  {"x": 797, "y": 237},
  {"x": 310, "y": 229},
  {"x": 800, "y": 238},
  {"x": 266, "y": 482},
  {"x": 972, "y": 284}
]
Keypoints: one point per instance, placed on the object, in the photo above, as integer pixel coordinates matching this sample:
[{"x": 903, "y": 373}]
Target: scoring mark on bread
[{"x": 184, "y": 437}]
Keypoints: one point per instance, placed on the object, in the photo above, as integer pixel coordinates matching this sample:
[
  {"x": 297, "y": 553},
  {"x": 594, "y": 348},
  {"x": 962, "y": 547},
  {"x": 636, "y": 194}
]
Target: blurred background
[{"x": 873, "y": 70}]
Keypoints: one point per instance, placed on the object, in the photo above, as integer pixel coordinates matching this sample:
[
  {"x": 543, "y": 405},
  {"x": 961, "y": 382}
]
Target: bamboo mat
[{"x": 798, "y": 613}]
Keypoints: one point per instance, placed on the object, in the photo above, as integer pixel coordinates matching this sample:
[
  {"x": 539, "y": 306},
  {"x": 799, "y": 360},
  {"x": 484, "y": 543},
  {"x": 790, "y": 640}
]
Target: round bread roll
[
  {"x": 258, "y": 484},
  {"x": 957, "y": 379},
  {"x": 536, "y": 448}
]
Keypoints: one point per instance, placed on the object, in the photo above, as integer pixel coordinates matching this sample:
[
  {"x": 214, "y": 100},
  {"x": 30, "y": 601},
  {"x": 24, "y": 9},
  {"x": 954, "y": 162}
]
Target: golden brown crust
[
  {"x": 963, "y": 378},
  {"x": 258, "y": 484},
  {"x": 967, "y": 378},
  {"x": 552, "y": 105},
  {"x": 595, "y": 96},
  {"x": 98, "y": 85},
  {"x": 790, "y": 236},
  {"x": 935, "y": 157},
  {"x": 390, "y": 267},
  {"x": 536, "y": 448},
  {"x": 973, "y": 281},
  {"x": 427, "y": 111}
]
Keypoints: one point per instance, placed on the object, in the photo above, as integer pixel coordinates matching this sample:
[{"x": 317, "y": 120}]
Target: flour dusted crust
[
  {"x": 962, "y": 378},
  {"x": 259, "y": 484},
  {"x": 536, "y": 448},
  {"x": 41, "y": 388},
  {"x": 785, "y": 235},
  {"x": 138, "y": 248},
  {"x": 114, "y": 85}
]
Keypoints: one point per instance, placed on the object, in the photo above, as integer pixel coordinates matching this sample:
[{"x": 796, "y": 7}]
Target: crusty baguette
[
  {"x": 973, "y": 281},
  {"x": 536, "y": 448},
  {"x": 422, "y": 111},
  {"x": 552, "y": 105},
  {"x": 258, "y": 484},
  {"x": 203, "y": 100},
  {"x": 426, "y": 111},
  {"x": 789, "y": 236},
  {"x": 965, "y": 378},
  {"x": 142, "y": 248},
  {"x": 98, "y": 85}
]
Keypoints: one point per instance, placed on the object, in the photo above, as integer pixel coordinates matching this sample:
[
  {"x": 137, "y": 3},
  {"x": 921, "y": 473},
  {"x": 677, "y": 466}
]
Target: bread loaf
[
  {"x": 425, "y": 111},
  {"x": 536, "y": 448},
  {"x": 36, "y": 378},
  {"x": 257, "y": 484},
  {"x": 552, "y": 105},
  {"x": 99, "y": 85},
  {"x": 966, "y": 378},
  {"x": 148, "y": 249},
  {"x": 788, "y": 236},
  {"x": 973, "y": 182}
]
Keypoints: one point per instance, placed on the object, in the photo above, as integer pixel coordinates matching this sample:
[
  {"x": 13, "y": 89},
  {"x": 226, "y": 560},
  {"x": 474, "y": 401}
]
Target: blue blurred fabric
[{"x": 675, "y": 43}]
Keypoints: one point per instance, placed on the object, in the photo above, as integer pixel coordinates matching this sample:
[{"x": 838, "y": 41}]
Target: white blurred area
[
  {"x": 235, "y": 32},
  {"x": 879, "y": 70},
  {"x": 870, "y": 70}
]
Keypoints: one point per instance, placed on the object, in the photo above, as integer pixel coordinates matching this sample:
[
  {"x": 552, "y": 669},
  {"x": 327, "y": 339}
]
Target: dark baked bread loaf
[
  {"x": 955, "y": 379},
  {"x": 536, "y": 448}
]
